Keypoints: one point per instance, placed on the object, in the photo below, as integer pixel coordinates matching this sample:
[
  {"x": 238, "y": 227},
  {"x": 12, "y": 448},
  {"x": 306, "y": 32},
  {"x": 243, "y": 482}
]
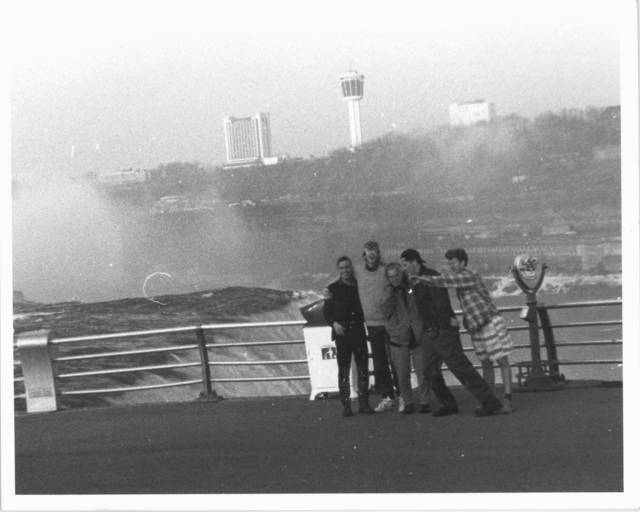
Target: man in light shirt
[{"x": 371, "y": 285}]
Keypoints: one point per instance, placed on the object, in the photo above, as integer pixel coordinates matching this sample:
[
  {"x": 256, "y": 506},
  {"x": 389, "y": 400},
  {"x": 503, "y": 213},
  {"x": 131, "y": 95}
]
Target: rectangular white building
[
  {"x": 247, "y": 139},
  {"x": 471, "y": 112}
]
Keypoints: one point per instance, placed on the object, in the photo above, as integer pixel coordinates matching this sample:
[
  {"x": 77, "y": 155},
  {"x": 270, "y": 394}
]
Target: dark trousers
[
  {"x": 378, "y": 339},
  {"x": 445, "y": 346},
  {"x": 352, "y": 344}
]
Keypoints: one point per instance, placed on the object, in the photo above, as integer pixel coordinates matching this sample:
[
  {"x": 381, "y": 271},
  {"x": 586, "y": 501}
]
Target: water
[
  {"x": 240, "y": 304},
  {"x": 71, "y": 243}
]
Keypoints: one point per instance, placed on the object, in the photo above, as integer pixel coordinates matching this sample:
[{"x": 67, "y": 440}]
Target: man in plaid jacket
[
  {"x": 440, "y": 341},
  {"x": 488, "y": 330}
]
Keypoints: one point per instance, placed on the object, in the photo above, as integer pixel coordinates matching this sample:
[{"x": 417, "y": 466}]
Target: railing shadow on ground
[{"x": 53, "y": 373}]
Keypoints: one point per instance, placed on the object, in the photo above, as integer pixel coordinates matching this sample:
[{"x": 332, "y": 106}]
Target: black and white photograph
[{"x": 328, "y": 255}]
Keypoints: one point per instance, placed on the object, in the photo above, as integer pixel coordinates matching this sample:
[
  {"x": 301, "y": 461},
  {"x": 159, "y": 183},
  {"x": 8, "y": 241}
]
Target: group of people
[{"x": 403, "y": 309}]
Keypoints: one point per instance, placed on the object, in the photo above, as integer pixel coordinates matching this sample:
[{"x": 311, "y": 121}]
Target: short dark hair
[
  {"x": 343, "y": 258},
  {"x": 459, "y": 254},
  {"x": 411, "y": 255}
]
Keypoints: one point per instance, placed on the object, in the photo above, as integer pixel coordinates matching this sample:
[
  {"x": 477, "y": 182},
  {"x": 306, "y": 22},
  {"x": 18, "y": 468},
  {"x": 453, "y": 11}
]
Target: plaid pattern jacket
[{"x": 473, "y": 295}]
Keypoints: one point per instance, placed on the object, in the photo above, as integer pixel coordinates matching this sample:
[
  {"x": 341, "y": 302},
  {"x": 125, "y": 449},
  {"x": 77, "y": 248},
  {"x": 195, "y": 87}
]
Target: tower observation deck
[{"x": 352, "y": 90}]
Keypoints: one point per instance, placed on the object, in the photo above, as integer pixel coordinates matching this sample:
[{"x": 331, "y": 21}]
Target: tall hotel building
[{"x": 247, "y": 139}]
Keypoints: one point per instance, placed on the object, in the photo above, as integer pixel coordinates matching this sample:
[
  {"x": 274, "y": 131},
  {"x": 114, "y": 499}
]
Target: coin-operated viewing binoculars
[{"x": 536, "y": 373}]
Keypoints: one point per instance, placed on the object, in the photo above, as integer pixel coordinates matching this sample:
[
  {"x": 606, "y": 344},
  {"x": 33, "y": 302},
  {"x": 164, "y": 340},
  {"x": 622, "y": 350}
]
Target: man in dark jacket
[
  {"x": 343, "y": 312},
  {"x": 441, "y": 342}
]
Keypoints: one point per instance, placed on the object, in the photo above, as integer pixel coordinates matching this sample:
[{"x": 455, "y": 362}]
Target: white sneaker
[
  {"x": 386, "y": 404},
  {"x": 400, "y": 404}
]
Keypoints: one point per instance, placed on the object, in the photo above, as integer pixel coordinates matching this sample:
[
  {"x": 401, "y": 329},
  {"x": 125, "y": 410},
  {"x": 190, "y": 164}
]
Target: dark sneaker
[
  {"x": 425, "y": 409},
  {"x": 445, "y": 410},
  {"x": 408, "y": 409},
  {"x": 481, "y": 412}
]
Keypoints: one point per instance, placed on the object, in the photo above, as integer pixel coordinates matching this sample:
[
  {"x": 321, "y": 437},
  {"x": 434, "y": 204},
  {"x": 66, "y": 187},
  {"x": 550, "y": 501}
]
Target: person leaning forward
[
  {"x": 442, "y": 341},
  {"x": 485, "y": 325},
  {"x": 343, "y": 312}
]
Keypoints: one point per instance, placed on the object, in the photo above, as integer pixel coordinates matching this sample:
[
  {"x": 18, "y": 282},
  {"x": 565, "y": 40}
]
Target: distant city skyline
[{"x": 91, "y": 99}]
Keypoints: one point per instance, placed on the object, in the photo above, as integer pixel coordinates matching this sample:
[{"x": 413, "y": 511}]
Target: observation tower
[{"x": 352, "y": 90}]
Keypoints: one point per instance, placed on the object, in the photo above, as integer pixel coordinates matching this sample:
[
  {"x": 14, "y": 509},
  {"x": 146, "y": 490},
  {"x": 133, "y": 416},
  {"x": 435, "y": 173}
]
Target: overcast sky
[{"x": 113, "y": 85}]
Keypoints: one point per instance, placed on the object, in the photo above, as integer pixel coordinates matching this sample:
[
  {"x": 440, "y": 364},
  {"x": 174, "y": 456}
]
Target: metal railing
[{"x": 204, "y": 347}]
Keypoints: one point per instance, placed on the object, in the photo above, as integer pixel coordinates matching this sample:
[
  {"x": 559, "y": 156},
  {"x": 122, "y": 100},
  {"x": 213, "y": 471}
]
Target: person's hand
[
  {"x": 338, "y": 328},
  {"x": 327, "y": 294},
  {"x": 414, "y": 279}
]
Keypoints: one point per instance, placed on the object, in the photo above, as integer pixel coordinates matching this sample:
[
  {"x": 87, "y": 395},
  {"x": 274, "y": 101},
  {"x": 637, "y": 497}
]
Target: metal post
[
  {"x": 534, "y": 336},
  {"x": 550, "y": 344},
  {"x": 537, "y": 378},
  {"x": 207, "y": 392},
  {"x": 37, "y": 369}
]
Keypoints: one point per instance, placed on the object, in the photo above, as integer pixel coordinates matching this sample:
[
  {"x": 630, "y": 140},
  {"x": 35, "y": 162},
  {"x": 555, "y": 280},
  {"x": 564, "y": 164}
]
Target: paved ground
[{"x": 568, "y": 440}]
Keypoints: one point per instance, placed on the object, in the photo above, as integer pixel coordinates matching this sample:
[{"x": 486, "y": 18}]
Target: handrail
[
  {"x": 585, "y": 304},
  {"x": 174, "y": 330},
  {"x": 126, "y": 370},
  {"x": 121, "y": 353},
  {"x": 203, "y": 345}
]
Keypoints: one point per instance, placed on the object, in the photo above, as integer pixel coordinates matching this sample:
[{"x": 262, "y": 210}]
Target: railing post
[
  {"x": 207, "y": 393},
  {"x": 534, "y": 335},
  {"x": 550, "y": 344},
  {"x": 37, "y": 370}
]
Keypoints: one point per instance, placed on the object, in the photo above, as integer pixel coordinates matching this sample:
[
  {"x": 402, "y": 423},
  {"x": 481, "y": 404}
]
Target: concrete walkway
[{"x": 568, "y": 440}]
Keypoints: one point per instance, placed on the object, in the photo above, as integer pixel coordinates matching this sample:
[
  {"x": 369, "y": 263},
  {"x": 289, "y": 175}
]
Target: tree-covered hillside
[{"x": 445, "y": 161}]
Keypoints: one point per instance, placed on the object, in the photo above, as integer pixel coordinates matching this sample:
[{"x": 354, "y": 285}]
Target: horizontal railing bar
[
  {"x": 587, "y": 324},
  {"x": 594, "y": 361},
  {"x": 176, "y": 348},
  {"x": 516, "y": 364},
  {"x": 173, "y": 330},
  {"x": 568, "y": 325},
  {"x": 125, "y": 353},
  {"x": 587, "y": 304},
  {"x": 181, "y": 383},
  {"x": 22, "y": 395},
  {"x": 129, "y": 334},
  {"x": 245, "y": 325},
  {"x": 127, "y": 370},
  {"x": 587, "y": 343},
  {"x": 131, "y": 388},
  {"x": 261, "y": 379},
  {"x": 563, "y": 344},
  {"x": 18, "y": 379},
  {"x": 249, "y": 363},
  {"x": 255, "y": 343}
]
